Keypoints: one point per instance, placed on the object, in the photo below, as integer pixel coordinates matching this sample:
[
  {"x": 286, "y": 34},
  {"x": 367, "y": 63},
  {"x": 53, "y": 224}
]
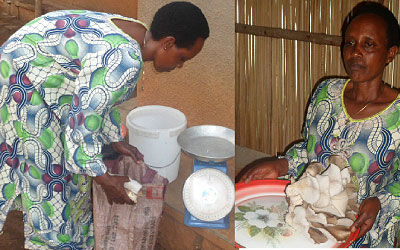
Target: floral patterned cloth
[
  {"x": 61, "y": 78},
  {"x": 371, "y": 147}
]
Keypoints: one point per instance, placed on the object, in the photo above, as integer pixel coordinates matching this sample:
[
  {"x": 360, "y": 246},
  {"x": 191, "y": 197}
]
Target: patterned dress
[
  {"x": 371, "y": 147},
  {"x": 61, "y": 78}
]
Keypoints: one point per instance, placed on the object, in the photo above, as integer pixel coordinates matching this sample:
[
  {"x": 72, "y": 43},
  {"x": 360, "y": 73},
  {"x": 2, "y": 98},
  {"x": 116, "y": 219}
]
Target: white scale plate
[{"x": 208, "y": 194}]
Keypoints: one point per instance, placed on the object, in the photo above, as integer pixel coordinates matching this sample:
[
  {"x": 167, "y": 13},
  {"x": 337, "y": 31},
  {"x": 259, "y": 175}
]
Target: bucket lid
[{"x": 208, "y": 194}]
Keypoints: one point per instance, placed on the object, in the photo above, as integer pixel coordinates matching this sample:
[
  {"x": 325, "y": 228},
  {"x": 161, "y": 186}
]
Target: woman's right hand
[
  {"x": 128, "y": 150},
  {"x": 113, "y": 186},
  {"x": 266, "y": 170}
]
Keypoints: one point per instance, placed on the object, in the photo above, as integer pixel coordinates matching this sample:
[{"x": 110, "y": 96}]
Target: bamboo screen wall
[{"x": 274, "y": 76}]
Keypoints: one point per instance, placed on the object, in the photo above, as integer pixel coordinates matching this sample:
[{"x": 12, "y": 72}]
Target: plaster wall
[{"x": 204, "y": 88}]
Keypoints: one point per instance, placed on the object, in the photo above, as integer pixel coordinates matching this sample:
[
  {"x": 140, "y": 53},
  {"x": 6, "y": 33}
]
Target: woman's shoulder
[
  {"x": 391, "y": 96},
  {"x": 332, "y": 82},
  {"x": 331, "y": 87}
]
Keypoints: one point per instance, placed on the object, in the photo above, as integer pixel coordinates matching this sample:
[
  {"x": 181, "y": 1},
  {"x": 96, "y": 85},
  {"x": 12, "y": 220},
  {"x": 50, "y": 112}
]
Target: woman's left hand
[
  {"x": 128, "y": 150},
  {"x": 367, "y": 213}
]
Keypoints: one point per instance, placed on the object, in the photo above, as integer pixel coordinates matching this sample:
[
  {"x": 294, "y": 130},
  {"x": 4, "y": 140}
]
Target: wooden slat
[
  {"x": 38, "y": 8},
  {"x": 318, "y": 38}
]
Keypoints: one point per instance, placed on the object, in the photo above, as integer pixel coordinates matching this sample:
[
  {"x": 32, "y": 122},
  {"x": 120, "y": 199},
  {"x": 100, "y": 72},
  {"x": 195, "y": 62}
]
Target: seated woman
[{"x": 358, "y": 119}]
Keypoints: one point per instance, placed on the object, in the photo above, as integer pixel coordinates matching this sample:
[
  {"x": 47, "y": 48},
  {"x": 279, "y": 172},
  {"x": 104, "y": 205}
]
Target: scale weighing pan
[
  {"x": 208, "y": 142},
  {"x": 209, "y": 194}
]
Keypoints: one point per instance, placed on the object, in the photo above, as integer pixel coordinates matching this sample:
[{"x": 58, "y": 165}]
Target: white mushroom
[
  {"x": 294, "y": 201},
  {"x": 132, "y": 188},
  {"x": 133, "y": 185},
  {"x": 311, "y": 216},
  {"x": 339, "y": 202},
  {"x": 307, "y": 188},
  {"x": 329, "y": 209},
  {"x": 323, "y": 205},
  {"x": 335, "y": 179},
  {"x": 132, "y": 195},
  {"x": 298, "y": 219},
  {"x": 345, "y": 222},
  {"x": 324, "y": 197},
  {"x": 345, "y": 174}
]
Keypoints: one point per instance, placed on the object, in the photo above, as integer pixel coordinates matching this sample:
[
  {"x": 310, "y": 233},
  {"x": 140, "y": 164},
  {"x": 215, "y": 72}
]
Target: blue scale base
[{"x": 192, "y": 221}]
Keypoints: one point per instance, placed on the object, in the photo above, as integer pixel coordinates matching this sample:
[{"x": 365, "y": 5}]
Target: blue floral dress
[
  {"x": 61, "y": 78},
  {"x": 371, "y": 147}
]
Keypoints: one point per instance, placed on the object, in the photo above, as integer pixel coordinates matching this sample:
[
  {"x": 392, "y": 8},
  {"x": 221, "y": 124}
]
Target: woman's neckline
[
  {"x": 127, "y": 19},
  {"x": 365, "y": 118}
]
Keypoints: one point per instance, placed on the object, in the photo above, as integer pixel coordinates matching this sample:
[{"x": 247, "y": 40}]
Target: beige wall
[{"x": 204, "y": 89}]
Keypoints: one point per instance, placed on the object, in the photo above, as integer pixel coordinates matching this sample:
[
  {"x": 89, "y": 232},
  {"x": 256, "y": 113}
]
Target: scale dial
[{"x": 209, "y": 194}]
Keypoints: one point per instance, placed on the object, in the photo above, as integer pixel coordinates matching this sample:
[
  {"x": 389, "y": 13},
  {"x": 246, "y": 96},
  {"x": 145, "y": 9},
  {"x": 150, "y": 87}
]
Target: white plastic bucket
[{"x": 154, "y": 131}]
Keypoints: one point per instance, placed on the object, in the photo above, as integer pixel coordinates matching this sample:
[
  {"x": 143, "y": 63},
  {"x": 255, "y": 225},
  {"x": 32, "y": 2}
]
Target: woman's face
[
  {"x": 169, "y": 56},
  {"x": 365, "y": 52}
]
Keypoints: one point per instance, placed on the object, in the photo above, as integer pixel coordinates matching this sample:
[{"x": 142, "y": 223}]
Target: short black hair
[
  {"x": 368, "y": 7},
  {"x": 182, "y": 20}
]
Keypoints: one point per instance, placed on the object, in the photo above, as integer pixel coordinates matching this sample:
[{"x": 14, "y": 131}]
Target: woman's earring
[{"x": 165, "y": 48}]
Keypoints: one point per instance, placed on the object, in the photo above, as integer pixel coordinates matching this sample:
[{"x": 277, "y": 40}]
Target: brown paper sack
[{"x": 125, "y": 226}]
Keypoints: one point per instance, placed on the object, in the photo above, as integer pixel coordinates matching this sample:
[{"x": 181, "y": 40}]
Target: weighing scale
[{"x": 208, "y": 192}]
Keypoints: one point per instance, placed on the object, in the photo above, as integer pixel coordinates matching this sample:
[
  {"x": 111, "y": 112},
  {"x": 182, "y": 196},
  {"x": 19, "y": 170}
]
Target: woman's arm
[
  {"x": 295, "y": 159},
  {"x": 265, "y": 170},
  {"x": 112, "y": 135}
]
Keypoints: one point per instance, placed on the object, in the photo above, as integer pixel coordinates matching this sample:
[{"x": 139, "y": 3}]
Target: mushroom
[
  {"x": 331, "y": 219},
  {"x": 345, "y": 222},
  {"x": 338, "y": 161},
  {"x": 317, "y": 235},
  {"x": 341, "y": 233},
  {"x": 335, "y": 179},
  {"x": 298, "y": 219},
  {"x": 324, "y": 196},
  {"x": 311, "y": 216},
  {"x": 345, "y": 174},
  {"x": 322, "y": 205},
  {"x": 314, "y": 169},
  {"x": 352, "y": 205},
  {"x": 307, "y": 188},
  {"x": 339, "y": 202},
  {"x": 132, "y": 188},
  {"x": 351, "y": 215}
]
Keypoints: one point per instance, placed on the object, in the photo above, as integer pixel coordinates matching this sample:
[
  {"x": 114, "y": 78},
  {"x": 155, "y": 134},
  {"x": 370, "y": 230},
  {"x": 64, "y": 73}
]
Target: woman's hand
[
  {"x": 113, "y": 186},
  {"x": 366, "y": 216},
  {"x": 265, "y": 170},
  {"x": 128, "y": 150}
]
